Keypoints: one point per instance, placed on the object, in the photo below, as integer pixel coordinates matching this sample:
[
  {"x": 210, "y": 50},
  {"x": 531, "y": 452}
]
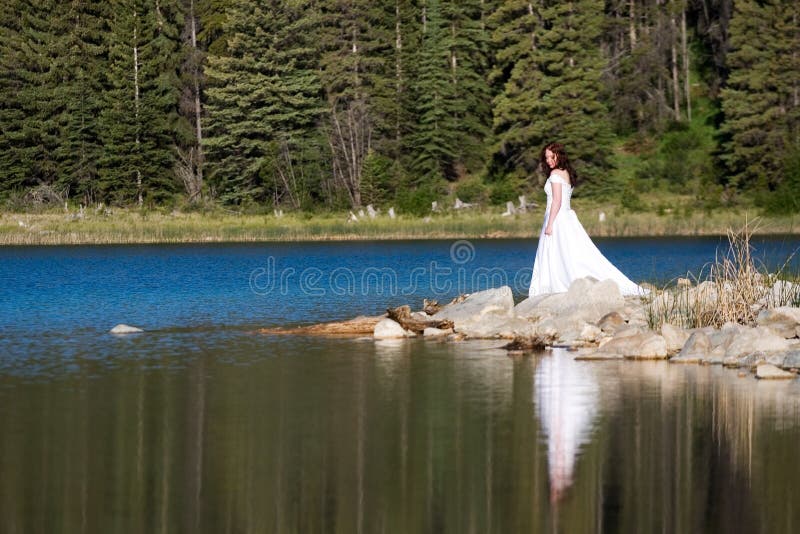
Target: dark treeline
[{"x": 337, "y": 103}]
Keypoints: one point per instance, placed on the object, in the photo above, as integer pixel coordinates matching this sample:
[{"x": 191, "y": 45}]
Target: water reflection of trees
[{"x": 354, "y": 437}]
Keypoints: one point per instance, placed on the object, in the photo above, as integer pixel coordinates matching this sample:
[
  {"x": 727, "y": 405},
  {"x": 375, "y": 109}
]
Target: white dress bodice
[{"x": 566, "y": 191}]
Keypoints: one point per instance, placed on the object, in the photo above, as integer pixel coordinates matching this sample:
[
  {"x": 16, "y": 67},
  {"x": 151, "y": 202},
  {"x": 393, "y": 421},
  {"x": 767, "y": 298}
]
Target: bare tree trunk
[
  {"x": 685, "y": 50},
  {"x": 287, "y": 174},
  {"x": 632, "y": 22},
  {"x": 533, "y": 33},
  {"x": 136, "y": 104},
  {"x": 398, "y": 46},
  {"x": 197, "y": 108},
  {"x": 676, "y": 105},
  {"x": 350, "y": 144},
  {"x": 453, "y": 59}
]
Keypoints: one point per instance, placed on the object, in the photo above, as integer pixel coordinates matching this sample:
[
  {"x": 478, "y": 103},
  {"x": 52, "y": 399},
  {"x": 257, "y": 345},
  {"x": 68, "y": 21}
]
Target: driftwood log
[
  {"x": 359, "y": 326},
  {"x": 402, "y": 315}
]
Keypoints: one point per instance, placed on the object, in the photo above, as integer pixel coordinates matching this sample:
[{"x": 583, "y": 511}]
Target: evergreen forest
[{"x": 336, "y": 104}]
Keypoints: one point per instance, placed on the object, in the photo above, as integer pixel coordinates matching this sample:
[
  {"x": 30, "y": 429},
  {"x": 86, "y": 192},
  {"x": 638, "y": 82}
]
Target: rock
[
  {"x": 695, "y": 350},
  {"x": 751, "y": 361},
  {"x": 389, "y": 329},
  {"x": 599, "y": 356},
  {"x": 769, "y": 371},
  {"x": 645, "y": 345},
  {"x": 692, "y": 358},
  {"x": 125, "y": 329},
  {"x": 716, "y": 356},
  {"x": 626, "y": 331},
  {"x": 724, "y": 337},
  {"x": 586, "y": 300},
  {"x": 675, "y": 337},
  {"x": 436, "y": 332},
  {"x": 780, "y": 293},
  {"x": 791, "y": 359},
  {"x": 477, "y": 306},
  {"x": 590, "y": 333},
  {"x": 497, "y": 326},
  {"x": 785, "y": 321},
  {"x": 529, "y": 308},
  {"x": 610, "y": 322},
  {"x": 760, "y": 338}
]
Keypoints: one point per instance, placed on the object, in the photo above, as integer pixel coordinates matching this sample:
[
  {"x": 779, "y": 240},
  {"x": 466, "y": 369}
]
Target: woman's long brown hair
[{"x": 562, "y": 162}]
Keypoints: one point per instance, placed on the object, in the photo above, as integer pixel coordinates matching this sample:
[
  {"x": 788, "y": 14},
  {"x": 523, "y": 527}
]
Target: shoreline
[{"x": 127, "y": 227}]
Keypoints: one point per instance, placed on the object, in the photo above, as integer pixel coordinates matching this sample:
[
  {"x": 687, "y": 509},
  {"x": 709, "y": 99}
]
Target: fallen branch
[{"x": 402, "y": 315}]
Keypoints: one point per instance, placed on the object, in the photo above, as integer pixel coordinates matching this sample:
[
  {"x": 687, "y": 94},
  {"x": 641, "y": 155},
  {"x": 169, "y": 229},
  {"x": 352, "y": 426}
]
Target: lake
[{"x": 201, "y": 425}]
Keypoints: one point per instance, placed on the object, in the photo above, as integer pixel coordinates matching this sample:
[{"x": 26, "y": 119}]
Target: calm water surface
[{"x": 200, "y": 425}]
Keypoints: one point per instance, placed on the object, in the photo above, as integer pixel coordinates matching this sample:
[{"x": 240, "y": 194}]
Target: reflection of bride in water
[{"x": 566, "y": 402}]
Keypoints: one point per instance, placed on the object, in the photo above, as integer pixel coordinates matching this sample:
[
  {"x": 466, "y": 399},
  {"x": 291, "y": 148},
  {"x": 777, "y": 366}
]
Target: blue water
[
  {"x": 62, "y": 300},
  {"x": 200, "y": 425}
]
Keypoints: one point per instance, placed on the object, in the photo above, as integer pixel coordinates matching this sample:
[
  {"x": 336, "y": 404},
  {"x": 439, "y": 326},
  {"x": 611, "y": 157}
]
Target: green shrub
[
  {"x": 785, "y": 199},
  {"x": 418, "y": 201},
  {"x": 472, "y": 190}
]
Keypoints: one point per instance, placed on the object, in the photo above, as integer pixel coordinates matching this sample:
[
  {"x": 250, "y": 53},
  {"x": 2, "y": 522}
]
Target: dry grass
[
  {"x": 133, "y": 226},
  {"x": 732, "y": 289}
]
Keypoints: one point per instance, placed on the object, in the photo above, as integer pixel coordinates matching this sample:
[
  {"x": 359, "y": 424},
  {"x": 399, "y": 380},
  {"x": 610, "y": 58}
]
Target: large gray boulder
[
  {"x": 770, "y": 372},
  {"x": 695, "y": 350},
  {"x": 586, "y": 300},
  {"x": 674, "y": 336},
  {"x": 644, "y": 346},
  {"x": 791, "y": 360},
  {"x": 497, "y": 302},
  {"x": 785, "y": 321},
  {"x": 497, "y": 326},
  {"x": 611, "y": 322},
  {"x": 758, "y": 339}
]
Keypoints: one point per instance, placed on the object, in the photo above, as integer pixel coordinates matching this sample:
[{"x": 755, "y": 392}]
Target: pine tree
[
  {"x": 468, "y": 43},
  {"x": 263, "y": 98},
  {"x": 434, "y": 143},
  {"x": 28, "y": 110},
  {"x": 760, "y": 102},
  {"x": 78, "y": 95},
  {"x": 553, "y": 90},
  {"x": 517, "y": 28},
  {"x": 140, "y": 122}
]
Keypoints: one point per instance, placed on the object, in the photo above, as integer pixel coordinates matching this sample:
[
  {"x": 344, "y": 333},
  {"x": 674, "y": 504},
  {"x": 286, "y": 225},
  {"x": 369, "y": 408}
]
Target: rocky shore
[{"x": 595, "y": 321}]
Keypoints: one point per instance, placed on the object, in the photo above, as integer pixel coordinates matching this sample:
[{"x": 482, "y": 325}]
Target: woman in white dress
[{"x": 565, "y": 252}]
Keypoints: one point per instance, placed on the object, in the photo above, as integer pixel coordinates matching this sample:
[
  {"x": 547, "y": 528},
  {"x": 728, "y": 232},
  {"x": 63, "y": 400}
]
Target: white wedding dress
[{"x": 569, "y": 254}]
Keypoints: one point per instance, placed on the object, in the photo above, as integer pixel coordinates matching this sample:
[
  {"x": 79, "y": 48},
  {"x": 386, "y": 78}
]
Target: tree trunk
[
  {"x": 398, "y": 47},
  {"x": 533, "y": 33},
  {"x": 197, "y": 107},
  {"x": 676, "y": 105},
  {"x": 685, "y": 50},
  {"x": 136, "y": 105},
  {"x": 632, "y": 22}
]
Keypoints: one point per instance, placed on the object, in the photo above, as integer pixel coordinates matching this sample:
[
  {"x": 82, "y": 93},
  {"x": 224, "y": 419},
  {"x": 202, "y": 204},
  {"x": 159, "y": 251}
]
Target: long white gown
[{"x": 569, "y": 254}]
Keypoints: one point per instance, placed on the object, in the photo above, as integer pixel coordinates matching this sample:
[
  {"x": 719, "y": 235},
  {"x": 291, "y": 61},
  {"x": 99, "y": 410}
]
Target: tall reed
[{"x": 732, "y": 289}]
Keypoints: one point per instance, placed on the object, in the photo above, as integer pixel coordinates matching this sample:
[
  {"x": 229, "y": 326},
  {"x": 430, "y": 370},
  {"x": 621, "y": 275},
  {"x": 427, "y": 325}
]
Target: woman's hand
[{"x": 548, "y": 230}]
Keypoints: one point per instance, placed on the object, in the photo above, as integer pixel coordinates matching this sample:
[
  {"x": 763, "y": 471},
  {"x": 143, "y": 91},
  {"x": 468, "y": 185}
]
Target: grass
[
  {"x": 122, "y": 226},
  {"x": 732, "y": 289}
]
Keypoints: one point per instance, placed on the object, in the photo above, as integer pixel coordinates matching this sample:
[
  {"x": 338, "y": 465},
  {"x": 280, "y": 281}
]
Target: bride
[{"x": 565, "y": 252}]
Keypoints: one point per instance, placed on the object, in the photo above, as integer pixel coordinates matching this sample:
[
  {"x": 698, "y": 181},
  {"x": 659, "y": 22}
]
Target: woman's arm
[{"x": 555, "y": 206}]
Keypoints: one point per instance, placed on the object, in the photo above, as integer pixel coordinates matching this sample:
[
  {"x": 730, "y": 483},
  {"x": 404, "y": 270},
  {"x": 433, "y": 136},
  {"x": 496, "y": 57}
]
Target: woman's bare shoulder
[{"x": 562, "y": 174}]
